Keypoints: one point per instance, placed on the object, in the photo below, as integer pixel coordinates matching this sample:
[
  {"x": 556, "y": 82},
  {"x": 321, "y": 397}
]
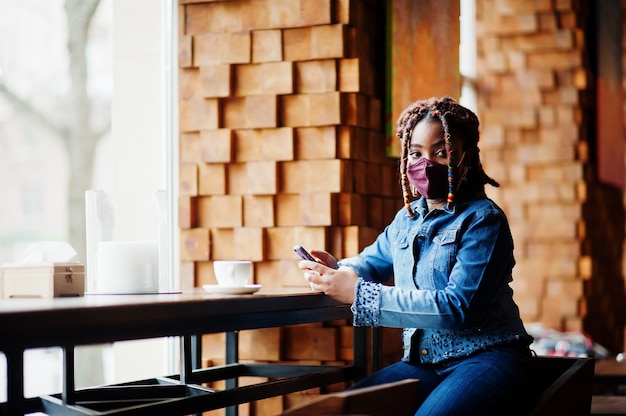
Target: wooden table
[{"x": 68, "y": 322}]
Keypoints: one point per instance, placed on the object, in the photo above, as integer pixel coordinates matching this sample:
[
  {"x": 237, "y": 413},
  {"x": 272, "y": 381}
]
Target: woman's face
[{"x": 427, "y": 141}]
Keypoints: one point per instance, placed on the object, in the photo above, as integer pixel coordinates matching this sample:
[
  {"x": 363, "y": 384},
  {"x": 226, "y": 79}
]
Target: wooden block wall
[
  {"x": 535, "y": 104},
  {"x": 281, "y": 143}
]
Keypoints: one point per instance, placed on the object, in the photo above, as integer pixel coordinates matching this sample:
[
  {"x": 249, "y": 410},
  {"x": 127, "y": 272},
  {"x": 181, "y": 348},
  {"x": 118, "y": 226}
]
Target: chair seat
[{"x": 397, "y": 399}]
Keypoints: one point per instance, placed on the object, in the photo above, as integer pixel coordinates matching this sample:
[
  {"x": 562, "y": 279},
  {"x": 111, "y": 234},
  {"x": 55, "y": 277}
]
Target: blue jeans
[{"x": 490, "y": 382}]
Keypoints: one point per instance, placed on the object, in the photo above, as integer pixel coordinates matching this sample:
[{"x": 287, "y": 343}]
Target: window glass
[{"x": 68, "y": 68}]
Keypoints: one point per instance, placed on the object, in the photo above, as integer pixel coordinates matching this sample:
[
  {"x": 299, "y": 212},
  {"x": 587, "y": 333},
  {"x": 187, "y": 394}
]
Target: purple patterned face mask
[{"x": 429, "y": 178}]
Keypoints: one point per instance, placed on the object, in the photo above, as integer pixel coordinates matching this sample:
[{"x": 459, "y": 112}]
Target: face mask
[{"x": 430, "y": 178}]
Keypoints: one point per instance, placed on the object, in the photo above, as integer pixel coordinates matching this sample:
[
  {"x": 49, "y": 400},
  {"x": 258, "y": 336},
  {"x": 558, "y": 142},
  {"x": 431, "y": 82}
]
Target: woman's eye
[
  {"x": 442, "y": 153},
  {"x": 415, "y": 155}
]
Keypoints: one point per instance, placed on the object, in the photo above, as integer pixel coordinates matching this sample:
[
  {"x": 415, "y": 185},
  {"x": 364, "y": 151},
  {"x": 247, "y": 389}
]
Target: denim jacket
[{"x": 451, "y": 270}]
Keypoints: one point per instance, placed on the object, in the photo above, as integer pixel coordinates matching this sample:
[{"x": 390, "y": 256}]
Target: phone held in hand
[{"x": 305, "y": 255}]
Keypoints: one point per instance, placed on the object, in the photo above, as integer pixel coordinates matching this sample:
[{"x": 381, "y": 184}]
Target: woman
[{"x": 451, "y": 255}]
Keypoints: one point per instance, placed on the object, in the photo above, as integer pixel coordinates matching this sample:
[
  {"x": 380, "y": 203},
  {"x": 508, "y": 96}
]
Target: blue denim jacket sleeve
[{"x": 451, "y": 269}]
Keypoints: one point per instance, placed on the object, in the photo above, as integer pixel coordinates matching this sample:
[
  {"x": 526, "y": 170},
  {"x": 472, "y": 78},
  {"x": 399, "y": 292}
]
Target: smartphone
[{"x": 301, "y": 251}]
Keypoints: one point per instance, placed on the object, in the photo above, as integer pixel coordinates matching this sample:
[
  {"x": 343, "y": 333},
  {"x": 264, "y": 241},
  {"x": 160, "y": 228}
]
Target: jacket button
[{"x": 424, "y": 351}]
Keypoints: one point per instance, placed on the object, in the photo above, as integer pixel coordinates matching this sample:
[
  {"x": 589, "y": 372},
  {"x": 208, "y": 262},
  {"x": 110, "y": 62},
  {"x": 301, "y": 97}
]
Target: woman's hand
[{"x": 337, "y": 283}]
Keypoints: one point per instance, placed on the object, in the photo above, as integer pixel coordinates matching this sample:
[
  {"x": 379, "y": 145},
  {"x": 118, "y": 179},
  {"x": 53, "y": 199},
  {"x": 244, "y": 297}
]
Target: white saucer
[{"x": 232, "y": 290}]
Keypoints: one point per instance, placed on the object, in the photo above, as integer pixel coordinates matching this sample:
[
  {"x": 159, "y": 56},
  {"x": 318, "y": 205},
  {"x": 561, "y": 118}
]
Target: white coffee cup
[{"x": 232, "y": 273}]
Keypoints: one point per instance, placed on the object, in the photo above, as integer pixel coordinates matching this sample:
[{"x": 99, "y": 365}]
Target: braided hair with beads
[{"x": 458, "y": 123}]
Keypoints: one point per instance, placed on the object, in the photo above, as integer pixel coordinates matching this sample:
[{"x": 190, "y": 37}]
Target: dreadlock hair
[{"x": 458, "y": 123}]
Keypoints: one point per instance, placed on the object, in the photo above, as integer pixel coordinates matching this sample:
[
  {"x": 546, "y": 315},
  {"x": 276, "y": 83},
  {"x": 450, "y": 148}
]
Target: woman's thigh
[
  {"x": 403, "y": 371},
  {"x": 489, "y": 383}
]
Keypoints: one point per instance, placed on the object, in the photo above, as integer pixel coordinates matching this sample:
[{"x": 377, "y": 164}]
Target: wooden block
[
  {"x": 261, "y": 111},
  {"x": 187, "y": 280},
  {"x": 190, "y": 147},
  {"x": 287, "y": 210},
  {"x": 316, "y": 76},
  {"x": 281, "y": 273},
  {"x": 315, "y": 176},
  {"x": 187, "y": 212},
  {"x": 258, "y": 211},
  {"x": 189, "y": 84},
  {"x": 326, "y": 109},
  {"x": 207, "y": 49},
  {"x": 262, "y": 177},
  {"x": 237, "y": 178},
  {"x": 181, "y": 17},
  {"x": 375, "y": 211},
  {"x": 200, "y": 17},
  {"x": 213, "y": 346},
  {"x": 222, "y": 48},
  {"x": 278, "y": 78},
  {"x": 375, "y": 116},
  {"x": 272, "y": 78},
  {"x": 297, "y": 44},
  {"x": 346, "y": 146},
  {"x": 188, "y": 180},
  {"x": 222, "y": 244},
  {"x": 211, "y": 179},
  {"x": 311, "y": 237},
  {"x": 295, "y": 110},
  {"x": 269, "y": 406},
  {"x": 185, "y": 54},
  {"x": 318, "y": 208},
  {"x": 280, "y": 243},
  {"x": 315, "y": 12},
  {"x": 198, "y": 114},
  {"x": 316, "y": 143},
  {"x": 216, "y": 80},
  {"x": 356, "y": 109},
  {"x": 310, "y": 343},
  {"x": 217, "y": 145},
  {"x": 260, "y": 344},
  {"x": 328, "y": 41},
  {"x": 234, "y": 112},
  {"x": 249, "y": 243},
  {"x": 335, "y": 237},
  {"x": 390, "y": 178},
  {"x": 248, "y": 80},
  {"x": 194, "y": 244},
  {"x": 356, "y": 238},
  {"x": 351, "y": 210},
  {"x": 204, "y": 273},
  {"x": 349, "y": 78},
  {"x": 344, "y": 10},
  {"x": 267, "y": 45},
  {"x": 264, "y": 144},
  {"x": 370, "y": 181},
  {"x": 220, "y": 211},
  {"x": 236, "y": 48}
]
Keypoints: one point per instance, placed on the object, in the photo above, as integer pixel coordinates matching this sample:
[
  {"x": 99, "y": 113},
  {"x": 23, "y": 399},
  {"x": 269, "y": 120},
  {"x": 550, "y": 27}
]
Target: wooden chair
[
  {"x": 397, "y": 399},
  {"x": 561, "y": 386}
]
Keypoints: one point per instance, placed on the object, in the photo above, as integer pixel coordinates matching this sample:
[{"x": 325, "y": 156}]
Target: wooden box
[{"x": 43, "y": 280}]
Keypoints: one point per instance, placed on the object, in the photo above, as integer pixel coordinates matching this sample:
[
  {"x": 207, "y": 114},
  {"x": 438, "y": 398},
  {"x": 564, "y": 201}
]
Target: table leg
[
  {"x": 232, "y": 356},
  {"x": 69, "y": 384},
  {"x": 15, "y": 381}
]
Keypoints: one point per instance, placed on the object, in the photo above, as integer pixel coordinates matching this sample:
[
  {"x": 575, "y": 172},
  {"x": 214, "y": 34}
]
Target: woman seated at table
[{"x": 451, "y": 254}]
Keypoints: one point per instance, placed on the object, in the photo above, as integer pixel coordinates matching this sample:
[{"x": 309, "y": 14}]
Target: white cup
[{"x": 232, "y": 273}]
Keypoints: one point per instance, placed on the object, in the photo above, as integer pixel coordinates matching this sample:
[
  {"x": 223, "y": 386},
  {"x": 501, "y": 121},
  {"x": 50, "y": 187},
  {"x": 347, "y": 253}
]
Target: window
[{"x": 129, "y": 109}]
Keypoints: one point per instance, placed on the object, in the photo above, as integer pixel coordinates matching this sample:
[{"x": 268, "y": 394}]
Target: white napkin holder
[{"x": 43, "y": 280}]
